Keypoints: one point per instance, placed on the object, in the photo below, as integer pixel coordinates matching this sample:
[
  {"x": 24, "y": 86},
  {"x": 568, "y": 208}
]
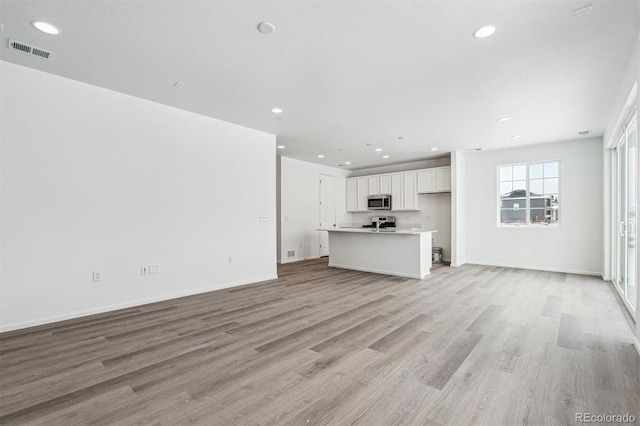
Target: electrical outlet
[
  {"x": 263, "y": 218},
  {"x": 154, "y": 269},
  {"x": 97, "y": 276},
  {"x": 300, "y": 245},
  {"x": 144, "y": 270},
  {"x": 230, "y": 260}
]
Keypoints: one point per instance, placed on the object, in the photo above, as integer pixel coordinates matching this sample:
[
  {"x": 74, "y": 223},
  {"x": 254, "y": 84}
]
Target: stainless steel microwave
[{"x": 379, "y": 202}]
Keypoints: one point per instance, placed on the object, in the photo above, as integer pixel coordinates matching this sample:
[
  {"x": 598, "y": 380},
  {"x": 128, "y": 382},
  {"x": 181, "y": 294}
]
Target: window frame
[{"x": 528, "y": 224}]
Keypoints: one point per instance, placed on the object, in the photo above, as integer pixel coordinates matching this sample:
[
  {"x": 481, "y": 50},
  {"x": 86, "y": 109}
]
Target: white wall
[
  {"x": 299, "y": 212},
  {"x": 458, "y": 210},
  {"x": 576, "y": 246},
  {"x": 94, "y": 180}
]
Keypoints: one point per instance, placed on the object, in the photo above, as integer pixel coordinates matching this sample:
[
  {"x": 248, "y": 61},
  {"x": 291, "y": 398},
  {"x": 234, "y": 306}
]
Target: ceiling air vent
[{"x": 31, "y": 50}]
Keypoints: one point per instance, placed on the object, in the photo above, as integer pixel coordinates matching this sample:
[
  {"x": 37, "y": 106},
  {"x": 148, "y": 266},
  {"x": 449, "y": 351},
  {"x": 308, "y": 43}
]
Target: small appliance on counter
[
  {"x": 379, "y": 202},
  {"x": 382, "y": 222}
]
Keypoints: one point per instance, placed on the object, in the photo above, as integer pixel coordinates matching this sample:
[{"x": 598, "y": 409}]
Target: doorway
[{"x": 327, "y": 210}]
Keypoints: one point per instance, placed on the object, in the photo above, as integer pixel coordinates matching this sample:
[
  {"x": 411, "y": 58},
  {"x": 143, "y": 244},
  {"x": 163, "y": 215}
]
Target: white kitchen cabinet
[
  {"x": 374, "y": 185},
  {"x": 443, "y": 179},
  {"x": 385, "y": 184},
  {"x": 380, "y": 184},
  {"x": 352, "y": 195},
  {"x": 426, "y": 181},
  {"x": 410, "y": 192},
  {"x": 357, "y": 192},
  {"x": 404, "y": 196},
  {"x": 404, "y": 188},
  {"x": 397, "y": 192},
  {"x": 434, "y": 180},
  {"x": 362, "y": 191}
]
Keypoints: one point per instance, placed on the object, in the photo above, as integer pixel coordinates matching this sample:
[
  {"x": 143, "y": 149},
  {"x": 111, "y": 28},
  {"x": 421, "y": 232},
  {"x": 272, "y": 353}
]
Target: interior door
[{"x": 327, "y": 210}]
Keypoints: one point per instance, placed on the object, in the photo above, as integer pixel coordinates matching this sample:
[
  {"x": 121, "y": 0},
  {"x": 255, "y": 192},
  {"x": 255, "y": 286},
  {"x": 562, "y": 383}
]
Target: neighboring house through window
[{"x": 528, "y": 194}]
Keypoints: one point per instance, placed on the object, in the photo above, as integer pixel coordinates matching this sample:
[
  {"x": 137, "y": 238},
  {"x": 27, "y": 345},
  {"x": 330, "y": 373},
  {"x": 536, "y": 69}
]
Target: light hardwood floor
[{"x": 467, "y": 346}]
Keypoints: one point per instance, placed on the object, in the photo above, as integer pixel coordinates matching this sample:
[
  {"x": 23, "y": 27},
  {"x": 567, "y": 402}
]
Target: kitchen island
[{"x": 401, "y": 252}]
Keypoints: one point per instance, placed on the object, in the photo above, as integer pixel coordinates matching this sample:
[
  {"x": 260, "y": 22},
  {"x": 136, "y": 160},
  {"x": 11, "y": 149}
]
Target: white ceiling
[{"x": 349, "y": 73}]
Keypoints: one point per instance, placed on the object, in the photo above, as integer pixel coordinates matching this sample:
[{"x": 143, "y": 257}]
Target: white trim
[
  {"x": 538, "y": 268},
  {"x": 636, "y": 343},
  {"x": 298, "y": 259},
  {"x": 79, "y": 314},
  {"x": 378, "y": 271}
]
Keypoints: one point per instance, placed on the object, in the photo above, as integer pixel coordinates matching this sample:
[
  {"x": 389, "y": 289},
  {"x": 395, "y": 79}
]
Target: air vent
[{"x": 31, "y": 50}]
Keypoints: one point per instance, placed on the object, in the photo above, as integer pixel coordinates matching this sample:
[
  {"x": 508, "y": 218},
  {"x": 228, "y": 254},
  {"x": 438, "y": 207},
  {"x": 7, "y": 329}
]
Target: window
[{"x": 528, "y": 194}]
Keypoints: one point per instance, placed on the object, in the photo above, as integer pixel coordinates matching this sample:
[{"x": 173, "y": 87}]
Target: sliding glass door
[{"x": 626, "y": 177}]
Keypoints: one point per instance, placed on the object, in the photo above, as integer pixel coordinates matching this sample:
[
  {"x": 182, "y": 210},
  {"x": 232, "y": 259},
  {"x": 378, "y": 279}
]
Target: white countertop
[{"x": 392, "y": 231}]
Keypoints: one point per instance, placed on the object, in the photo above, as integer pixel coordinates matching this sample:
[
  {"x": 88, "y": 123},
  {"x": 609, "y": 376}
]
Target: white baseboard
[
  {"x": 537, "y": 268},
  {"x": 104, "y": 309},
  {"x": 298, "y": 259},
  {"x": 377, "y": 271}
]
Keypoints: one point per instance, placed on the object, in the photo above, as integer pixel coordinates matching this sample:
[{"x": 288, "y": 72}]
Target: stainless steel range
[{"x": 381, "y": 222}]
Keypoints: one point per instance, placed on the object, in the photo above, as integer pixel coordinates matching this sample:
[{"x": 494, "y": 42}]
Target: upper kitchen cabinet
[
  {"x": 434, "y": 180},
  {"x": 379, "y": 184},
  {"x": 404, "y": 196},
  {"x": 357, "y": 192}
]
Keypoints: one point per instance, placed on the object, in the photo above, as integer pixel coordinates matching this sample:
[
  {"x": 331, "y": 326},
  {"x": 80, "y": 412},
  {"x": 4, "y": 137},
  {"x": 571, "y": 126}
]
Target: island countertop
[{"x": 408, "y": 254}]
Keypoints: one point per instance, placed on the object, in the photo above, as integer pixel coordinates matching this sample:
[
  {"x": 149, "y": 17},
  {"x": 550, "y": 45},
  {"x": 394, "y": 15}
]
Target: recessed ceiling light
[
  {"x": 503, "y": 119},
  {"x": 433, "y": 149},
  {"x": 584, "y": 132},
  {"x": 369, "y": 144},
  {"x": 276, "y": 110},
  {"x": 385, "y": 156},
  {"x": 46, "y": 27},
  {"x": 178, "y": 85},
  {"x": 281, "y": 147},
  {"x": 347, "y": 162},
  {"x": 516, "y": 137},
  {"x": 485, "y": 31},
  {"x": 320, "y": 156},
  {"x": 266, "y": 27},
  {"x": 401, "y": 138},
  {"x": 378, "y": 149}
]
